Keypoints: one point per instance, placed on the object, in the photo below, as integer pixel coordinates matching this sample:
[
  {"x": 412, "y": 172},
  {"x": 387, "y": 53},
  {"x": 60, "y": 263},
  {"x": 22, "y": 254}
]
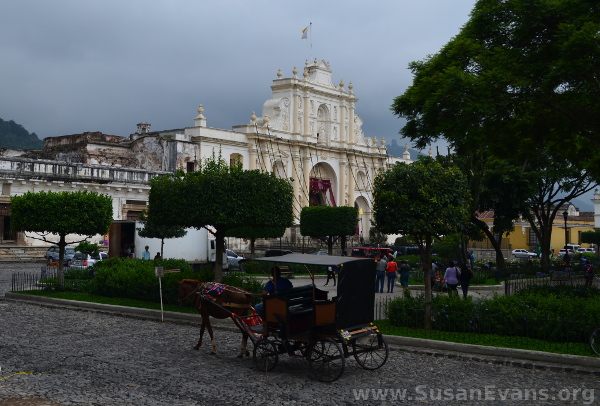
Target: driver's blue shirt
[{"x": 282, "y": 284}]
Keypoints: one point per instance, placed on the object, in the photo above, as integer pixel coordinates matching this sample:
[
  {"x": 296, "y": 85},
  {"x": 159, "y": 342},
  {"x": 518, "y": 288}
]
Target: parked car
[
  {"x": 521, "y": 253},
  {"x": 53, "y": 254},
  {"x": 235, "y": 260},
  {"x": 276, "y": 253},
  {"x": 561, "y": 253},
  {"x": 321, "y": 253},
  {"x": 86, "y": 260},
  {"x": 584, "y": 250}
]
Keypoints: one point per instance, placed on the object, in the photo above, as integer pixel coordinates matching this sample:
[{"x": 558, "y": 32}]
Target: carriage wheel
[
  {"x": 595, "y": 340},
  {"x": 265, "y": 355},
  {"x": 371, "y": 351},
  {"x": 325, "y": 360}
]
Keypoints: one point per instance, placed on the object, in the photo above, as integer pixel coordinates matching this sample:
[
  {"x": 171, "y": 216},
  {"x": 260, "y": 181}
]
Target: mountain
[{"x": 13, "y": 135}]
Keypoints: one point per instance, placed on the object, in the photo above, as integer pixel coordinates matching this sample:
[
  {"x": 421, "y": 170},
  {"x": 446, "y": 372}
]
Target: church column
[
  {"x": 296, "y": 184},
  {"x": 253, "y": 156},
  {"x": 343, "y": 135},
  {"x": 350, "y": 134},
  {"x": 342, "y": 188},
  {"x": 307, "y": 168},
  {"x": 295, "y": 106},
  {"x": 305, "y": 130},
  {"x": 351, "y": 184}
]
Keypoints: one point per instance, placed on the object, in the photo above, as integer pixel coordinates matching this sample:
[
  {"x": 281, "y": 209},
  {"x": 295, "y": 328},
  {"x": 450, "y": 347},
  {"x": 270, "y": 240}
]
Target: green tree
[
  {"x": 556, "y": 182},
  {"x": 591, "y": 237},
  {"x": 49, "y": 214},
  {"x": 521, "y": 74},
  {"x": 425, "y": 200},
  {"x": 88, "y": 248},
  {"x": 152, "y": 230},
  {"x": 319, "y": 221},
  {"x": 221, "y": 198}
]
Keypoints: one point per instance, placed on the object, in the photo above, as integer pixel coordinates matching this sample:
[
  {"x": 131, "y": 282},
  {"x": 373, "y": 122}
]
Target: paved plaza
[{"x": 53, "y": 356}]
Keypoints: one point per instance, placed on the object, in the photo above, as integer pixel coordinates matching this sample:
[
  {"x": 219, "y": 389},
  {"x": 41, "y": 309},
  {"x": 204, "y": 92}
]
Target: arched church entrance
[{"x": 322, "y": 185}]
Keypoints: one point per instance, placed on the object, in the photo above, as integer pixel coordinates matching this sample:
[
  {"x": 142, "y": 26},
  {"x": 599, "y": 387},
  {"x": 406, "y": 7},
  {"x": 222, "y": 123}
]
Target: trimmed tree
[
  {"x": 49, "y": 214},
  {"x": 591, "y": 237},
  {"x": 221, "y": 198},
  {"x": 152, "y": 230},
  {"x": 317, "y": 221},
  {"x": 424, "y": 200}
]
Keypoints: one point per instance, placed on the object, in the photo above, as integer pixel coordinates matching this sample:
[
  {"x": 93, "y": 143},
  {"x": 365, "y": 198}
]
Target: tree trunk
[
  {"x": 220, "y": 243},
  {"x": 62, "y": 243},
  {"x": 425, "y": 251},
  {"x": 490, "y": 236}
]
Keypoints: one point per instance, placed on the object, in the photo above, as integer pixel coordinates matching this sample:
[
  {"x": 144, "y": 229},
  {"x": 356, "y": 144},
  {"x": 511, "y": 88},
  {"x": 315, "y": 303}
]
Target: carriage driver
[{"x": 275, "y": 285}]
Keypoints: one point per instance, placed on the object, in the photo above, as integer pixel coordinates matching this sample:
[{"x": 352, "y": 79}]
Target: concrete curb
[{"x": 497, "y": 355}]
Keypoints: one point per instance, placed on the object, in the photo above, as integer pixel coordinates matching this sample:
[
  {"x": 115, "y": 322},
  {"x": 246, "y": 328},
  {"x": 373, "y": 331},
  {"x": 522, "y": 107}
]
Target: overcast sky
[{"x": 70, "y": 66}]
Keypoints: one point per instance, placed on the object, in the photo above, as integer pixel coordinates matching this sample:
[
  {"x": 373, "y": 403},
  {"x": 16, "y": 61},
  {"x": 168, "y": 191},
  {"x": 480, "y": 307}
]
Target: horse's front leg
[
  {"x": 202, "y": 325},
  {"x": 212, "y": 339}
]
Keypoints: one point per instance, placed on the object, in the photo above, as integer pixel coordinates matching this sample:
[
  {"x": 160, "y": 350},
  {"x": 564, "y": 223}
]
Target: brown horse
[{"x": 219, "y": 301}]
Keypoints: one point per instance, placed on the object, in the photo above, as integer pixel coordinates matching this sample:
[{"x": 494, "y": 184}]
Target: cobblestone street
[{"x": 54, "y": 356}]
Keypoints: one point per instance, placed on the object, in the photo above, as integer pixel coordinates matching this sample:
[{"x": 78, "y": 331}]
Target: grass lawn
[{"x": 86, "y": 297}]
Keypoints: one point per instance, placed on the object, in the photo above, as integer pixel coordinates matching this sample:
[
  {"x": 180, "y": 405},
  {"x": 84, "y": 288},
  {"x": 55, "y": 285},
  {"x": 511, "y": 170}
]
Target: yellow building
[{"x": 564, "y": 231}]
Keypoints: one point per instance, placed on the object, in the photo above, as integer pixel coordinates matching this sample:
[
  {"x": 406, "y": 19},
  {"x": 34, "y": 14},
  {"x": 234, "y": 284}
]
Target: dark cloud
[{"x": 105, "y": 65}]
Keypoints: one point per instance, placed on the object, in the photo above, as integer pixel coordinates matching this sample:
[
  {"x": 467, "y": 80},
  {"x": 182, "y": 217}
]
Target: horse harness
[{"x": 216, "y": 293}]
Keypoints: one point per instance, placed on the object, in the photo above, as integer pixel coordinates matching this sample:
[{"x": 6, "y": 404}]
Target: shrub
[{"x": 552, "y": 313}]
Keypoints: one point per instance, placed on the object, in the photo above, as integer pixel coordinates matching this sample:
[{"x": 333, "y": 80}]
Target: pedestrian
[
  {"x": 157, "y": 256},
  {"x": 589, "y": 271},
  {"x": 404, "y": 272},
  {"x": 472, "y": 259},
  {"x": 451, "y": 277},
  {"x": 392, "y": 268},
  {"x": 466, "y": 274},
  {"x": 380, "y": 275},
  {"x": 567, "y": 258},
  {"x": 330, "y": 274},
  {"x": 146, "y": 253}
]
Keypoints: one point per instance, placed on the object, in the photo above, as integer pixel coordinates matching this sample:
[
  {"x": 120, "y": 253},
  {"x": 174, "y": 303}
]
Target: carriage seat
[{"x": 292, "y": 305}]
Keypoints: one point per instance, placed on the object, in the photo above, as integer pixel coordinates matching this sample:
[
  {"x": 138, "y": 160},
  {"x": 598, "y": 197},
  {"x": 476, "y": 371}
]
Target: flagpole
[{"x": 310, "y": 39}]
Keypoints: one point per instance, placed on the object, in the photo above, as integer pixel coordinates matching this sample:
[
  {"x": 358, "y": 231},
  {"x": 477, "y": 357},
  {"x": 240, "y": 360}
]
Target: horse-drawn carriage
[{"x": 304, "y": 322}]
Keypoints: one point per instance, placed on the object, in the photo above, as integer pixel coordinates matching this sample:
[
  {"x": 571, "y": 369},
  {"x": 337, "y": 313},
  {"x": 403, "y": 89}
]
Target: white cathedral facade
[{"x": 309, "y": 132}]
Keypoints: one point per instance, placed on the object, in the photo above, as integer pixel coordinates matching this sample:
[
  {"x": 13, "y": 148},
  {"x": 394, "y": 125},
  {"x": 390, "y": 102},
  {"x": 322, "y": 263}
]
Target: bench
[{"x": 292, "y": 311}]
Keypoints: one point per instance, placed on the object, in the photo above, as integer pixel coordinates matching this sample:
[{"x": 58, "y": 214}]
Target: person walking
[
  {"x": 464, "y": 279},
  {"x": 330, "y": 274},
  {"x": 472, "y": 259},
  {"x": 380, "y": 275},
  {"x": 451, "y": 277},
  {"x": 392, "y": 268},
  {"x": 404, "y": 272}
]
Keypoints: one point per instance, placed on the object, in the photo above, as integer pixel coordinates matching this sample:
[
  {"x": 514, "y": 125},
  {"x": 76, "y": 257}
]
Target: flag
[{"x": 305, "y": 33}]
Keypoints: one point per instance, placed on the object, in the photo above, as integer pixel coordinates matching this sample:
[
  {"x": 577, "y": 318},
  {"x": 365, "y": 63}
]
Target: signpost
[{"x": 159, "y": 271}]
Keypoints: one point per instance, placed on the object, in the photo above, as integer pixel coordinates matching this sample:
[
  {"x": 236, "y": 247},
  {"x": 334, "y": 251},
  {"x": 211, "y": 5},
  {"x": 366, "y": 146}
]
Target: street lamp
[
  {"x": 360, "y": 214},
  {"x": 565, "y": 215}
]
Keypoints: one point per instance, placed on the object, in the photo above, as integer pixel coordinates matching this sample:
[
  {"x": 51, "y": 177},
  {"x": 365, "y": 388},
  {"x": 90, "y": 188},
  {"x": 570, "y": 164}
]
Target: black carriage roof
[{"x": 311, "y": 259}]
